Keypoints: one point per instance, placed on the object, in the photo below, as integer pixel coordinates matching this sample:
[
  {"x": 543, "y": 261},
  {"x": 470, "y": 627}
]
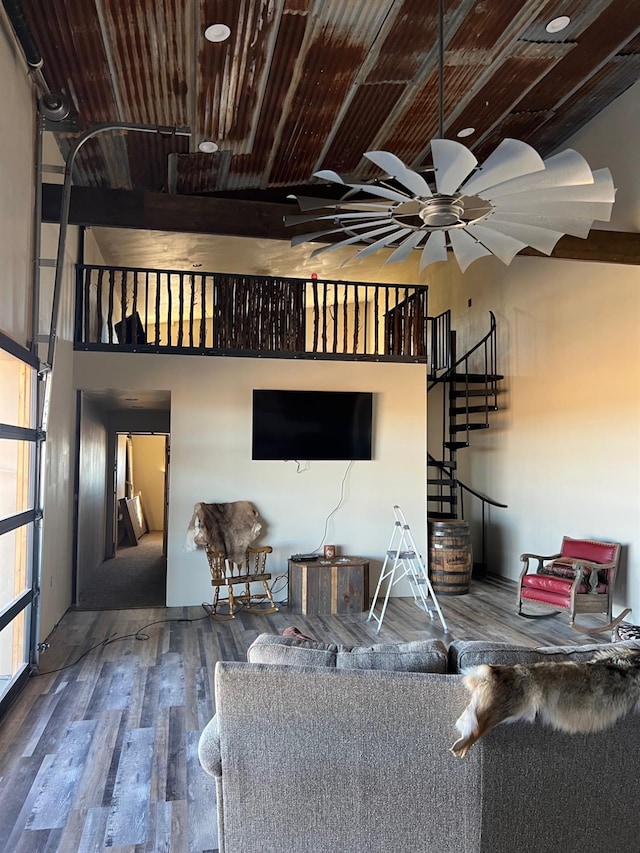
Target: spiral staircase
[{"x": 463, "y": 391}]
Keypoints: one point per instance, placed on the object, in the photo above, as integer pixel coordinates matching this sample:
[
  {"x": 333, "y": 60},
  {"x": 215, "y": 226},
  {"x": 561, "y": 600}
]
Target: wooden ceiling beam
[
  {"x": 610, "y": 247},
  {"x": 166, "y": 212},
  {"x": 263, "y": 220}
]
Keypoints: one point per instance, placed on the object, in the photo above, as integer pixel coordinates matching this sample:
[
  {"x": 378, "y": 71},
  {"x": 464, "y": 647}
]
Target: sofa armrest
[{"x": 209, "y": 748}]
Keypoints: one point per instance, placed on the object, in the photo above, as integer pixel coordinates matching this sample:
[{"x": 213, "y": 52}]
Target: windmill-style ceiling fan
[{"x": 513, "y": 200}]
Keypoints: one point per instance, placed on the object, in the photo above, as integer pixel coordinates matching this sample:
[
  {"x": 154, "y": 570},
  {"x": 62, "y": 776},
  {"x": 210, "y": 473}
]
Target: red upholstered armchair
[{"x": 579, "y": 579}]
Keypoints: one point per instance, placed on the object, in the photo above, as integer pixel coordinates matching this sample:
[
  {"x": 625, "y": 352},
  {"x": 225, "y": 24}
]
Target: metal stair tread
[
  {"x": 472, "y": 410},
  {"x": 475, "y": 377},
  {"x": 451, "y": 464},
  {"x": 474, "y": 392},
  {"x": 467, "y": 427}
]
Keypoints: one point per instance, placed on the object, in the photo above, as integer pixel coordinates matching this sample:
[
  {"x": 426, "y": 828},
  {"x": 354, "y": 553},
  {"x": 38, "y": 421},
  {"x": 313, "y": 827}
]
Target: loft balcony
[{"x": 123, "y": 309}]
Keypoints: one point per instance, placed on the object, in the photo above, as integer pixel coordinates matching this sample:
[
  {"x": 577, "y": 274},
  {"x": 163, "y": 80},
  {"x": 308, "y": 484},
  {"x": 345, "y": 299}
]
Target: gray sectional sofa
[{"x": 318, "y": 748}]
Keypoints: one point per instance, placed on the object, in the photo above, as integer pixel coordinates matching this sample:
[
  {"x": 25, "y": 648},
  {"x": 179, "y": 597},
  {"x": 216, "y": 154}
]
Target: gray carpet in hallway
[{"x": 135, "y": 577}]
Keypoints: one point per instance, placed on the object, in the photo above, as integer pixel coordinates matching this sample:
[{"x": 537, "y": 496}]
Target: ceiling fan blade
[
  {"x": 452, "y": 162},
  {"x": 573, "y": 225},
  {"x": 603, "y": 188},
  {"x": 569, "y": 209},
  {"x": 434, "y": 250},
  {"x": 405, "y": 248},
  {"x": 300, "y": 219},
  {"x": 511, "y": 159},
  {"x": 394, "y": 166},
  {"x": 501, "y": 245},
  {"x": 358, "y": 237},
  {"x": 465, "y": 248},
  {"x": 382, "y": 192},
  {"x": 568, "y": 168},
  {"x": 328, "y": 175},
  {"x": 347, "y": 227},
  {"x": 600, "y": 190},
  {"x": 352, "y": 226},
  {"x": 383, "y": 241},
  {"x": 309, "y": 203},
  {"x": 538, "y": 238},
  {"x": 372, "y": 189},
  {"x": 315, "y": 235}
]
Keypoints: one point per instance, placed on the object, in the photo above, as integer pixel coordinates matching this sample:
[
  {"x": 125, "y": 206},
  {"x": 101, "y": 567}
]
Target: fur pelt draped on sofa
[{"x": 226, "y": 527}]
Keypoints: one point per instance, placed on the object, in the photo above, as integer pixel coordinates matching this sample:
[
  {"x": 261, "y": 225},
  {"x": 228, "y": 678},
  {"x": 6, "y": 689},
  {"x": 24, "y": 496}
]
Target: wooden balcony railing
[{"x": 140, "y": 310}]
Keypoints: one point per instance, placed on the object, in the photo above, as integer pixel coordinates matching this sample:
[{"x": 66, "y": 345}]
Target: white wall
[
  {"x": 211, "y": 455},
  {"x": 564, "y": 452},
  {"x": 148, "y": 476}
]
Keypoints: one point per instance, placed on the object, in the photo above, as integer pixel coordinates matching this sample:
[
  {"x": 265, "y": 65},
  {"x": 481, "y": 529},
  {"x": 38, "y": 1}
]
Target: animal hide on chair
[{"x": 229, "y": 527}]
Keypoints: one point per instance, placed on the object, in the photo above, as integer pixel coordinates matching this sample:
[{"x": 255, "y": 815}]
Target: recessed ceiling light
[
  {"x": 207, "y": 146},
  {"x": 466, "y": 131},
  {"x": 558, "y": 24},
  {"x": 217, "y": 32}
]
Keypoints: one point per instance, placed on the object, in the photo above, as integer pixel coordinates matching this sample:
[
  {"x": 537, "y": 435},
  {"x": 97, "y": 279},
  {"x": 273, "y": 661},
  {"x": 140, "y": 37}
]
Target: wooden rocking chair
[
  {"x": 579, "y": 579},
  {"x": 224, "y": 572}
]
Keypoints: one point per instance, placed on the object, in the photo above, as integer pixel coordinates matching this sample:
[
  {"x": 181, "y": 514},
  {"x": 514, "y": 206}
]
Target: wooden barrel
[{"x": 450, "y": 556}]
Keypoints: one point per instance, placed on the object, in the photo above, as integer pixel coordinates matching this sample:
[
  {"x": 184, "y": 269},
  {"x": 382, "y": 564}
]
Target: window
[{"x": 18, "y": 445}]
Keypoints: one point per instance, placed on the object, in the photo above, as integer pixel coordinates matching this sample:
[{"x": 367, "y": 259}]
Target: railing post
[{"x": 79, "y": 333}]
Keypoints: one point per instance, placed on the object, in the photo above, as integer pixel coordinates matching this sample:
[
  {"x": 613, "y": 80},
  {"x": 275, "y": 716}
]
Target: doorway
[
  {"x": 123, "y": 476},
  {"x": 141, "y": 482}
]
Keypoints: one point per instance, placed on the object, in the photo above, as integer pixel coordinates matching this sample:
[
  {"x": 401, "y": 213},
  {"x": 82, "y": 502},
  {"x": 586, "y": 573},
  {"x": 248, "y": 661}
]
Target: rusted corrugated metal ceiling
[{"x": 308, "y": 84}]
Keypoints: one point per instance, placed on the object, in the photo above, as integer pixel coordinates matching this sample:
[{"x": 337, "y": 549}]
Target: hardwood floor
[{"x": 101, "y": 754}]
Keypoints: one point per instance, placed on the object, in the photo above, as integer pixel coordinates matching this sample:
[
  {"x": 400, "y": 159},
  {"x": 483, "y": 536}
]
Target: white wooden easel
[{"x": 403, "y": 561}]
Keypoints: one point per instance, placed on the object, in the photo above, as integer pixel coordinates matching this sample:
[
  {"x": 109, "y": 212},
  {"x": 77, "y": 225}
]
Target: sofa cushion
[
  {"x": 548, "y": 583},
  {"x": 272, "y": 648},
  {"x": 564, "y": 568},
  {"x": 467, "y": 653},
  {"x": 418, "y": 656}
]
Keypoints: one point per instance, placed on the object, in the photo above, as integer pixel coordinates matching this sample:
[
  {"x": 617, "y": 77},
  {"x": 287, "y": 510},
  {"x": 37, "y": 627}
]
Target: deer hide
[{"x": 228, "y": 527}]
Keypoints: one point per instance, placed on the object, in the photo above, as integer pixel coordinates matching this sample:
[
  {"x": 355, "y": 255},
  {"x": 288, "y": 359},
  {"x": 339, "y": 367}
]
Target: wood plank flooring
[{"x": 102, "y": 754}]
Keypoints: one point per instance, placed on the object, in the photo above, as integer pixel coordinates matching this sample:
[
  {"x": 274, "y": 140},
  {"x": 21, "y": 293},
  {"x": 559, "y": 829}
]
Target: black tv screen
[{"x": 312, "y": 424}]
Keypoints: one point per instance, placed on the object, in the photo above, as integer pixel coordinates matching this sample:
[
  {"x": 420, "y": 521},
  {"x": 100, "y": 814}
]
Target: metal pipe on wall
[
  {"x": 15, "y": 13},
  {"x": 66, "y": 203},
  {"x": 30, "y": 49}
]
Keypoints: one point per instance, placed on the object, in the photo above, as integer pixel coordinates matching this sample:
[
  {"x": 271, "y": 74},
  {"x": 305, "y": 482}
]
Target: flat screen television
[{"x": 312, "y": 425}]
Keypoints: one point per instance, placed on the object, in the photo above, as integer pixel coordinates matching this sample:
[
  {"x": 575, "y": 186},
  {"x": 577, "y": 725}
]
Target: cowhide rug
[{"x": 226, "y": 527}]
